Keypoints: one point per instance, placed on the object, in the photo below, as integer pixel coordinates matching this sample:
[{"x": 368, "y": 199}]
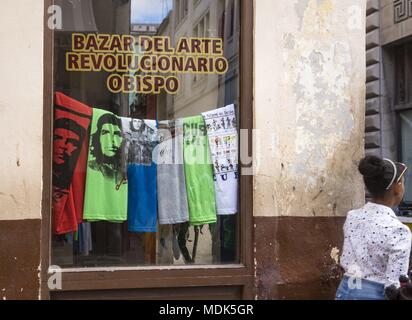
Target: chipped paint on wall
[
  {"x": 309, "y": 107},
  {"x": 334, "y": 254}
]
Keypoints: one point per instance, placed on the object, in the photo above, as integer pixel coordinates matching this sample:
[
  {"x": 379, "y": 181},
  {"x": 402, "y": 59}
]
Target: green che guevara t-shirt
[
  {"x": 106, "y": 192},
  {"x": 198, "y": 172}
]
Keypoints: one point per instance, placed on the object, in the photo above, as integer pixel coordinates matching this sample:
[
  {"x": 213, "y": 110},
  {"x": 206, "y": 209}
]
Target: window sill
[
  {"x": 152, "y": 277},
  {"x": 146, "y": 268},
  {"x": 401, "y": 107}
]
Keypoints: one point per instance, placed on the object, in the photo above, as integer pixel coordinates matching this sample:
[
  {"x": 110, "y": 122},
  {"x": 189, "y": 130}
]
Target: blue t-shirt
[{"x": 142, "y": 198}]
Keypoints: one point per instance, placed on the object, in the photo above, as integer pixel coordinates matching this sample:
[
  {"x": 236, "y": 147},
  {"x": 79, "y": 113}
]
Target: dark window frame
[
  {"x": 153, "y": 277},
  {"x": 405, "y": 64},
  {"x": 402, "y": 106},
  {"x": 404, "y": 205}
]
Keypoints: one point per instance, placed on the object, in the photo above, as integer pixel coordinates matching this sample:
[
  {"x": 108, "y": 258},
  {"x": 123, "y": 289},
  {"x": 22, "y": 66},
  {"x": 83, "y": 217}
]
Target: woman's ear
[
  {"x": 398, "y": 191},
  {"x": 396, "y": 188}
]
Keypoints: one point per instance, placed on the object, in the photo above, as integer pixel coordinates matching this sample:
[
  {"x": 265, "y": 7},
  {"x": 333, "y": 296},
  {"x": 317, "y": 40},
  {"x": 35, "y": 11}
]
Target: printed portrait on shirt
[
  {"x": 68, "y": 137},
  {"x": 139, "y": 140},
  {"x": 106, "y": 144},
  {"x": 168, "y": 132}
]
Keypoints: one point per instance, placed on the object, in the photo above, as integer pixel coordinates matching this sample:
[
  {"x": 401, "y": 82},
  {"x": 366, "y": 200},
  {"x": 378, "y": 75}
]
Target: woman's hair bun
[{"x": 372, "y": 167}]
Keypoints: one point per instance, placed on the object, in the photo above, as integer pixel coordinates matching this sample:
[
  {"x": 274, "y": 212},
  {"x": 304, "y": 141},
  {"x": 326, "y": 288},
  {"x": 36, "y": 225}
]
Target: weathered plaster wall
[
  {"x": 21, "y": 132},
  {"x": 21, "y": 108},
  {"x": 309, "y": 106},
  {"x": 309, "y": 110}
]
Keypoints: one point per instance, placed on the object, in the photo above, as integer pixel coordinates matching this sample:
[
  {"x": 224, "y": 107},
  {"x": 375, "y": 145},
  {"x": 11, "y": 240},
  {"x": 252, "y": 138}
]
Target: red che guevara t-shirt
[{"x": 71, "y": 128}]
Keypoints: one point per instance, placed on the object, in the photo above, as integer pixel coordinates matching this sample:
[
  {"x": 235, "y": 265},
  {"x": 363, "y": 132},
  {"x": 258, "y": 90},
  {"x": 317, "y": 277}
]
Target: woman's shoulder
[
  {"x": 373, "y": 208},
  {"x": 352, "y": 218},
  {"x": 395, "y": 225},
  {"x": 357, "y": 211},
  {"x": 359, "y": 215}
]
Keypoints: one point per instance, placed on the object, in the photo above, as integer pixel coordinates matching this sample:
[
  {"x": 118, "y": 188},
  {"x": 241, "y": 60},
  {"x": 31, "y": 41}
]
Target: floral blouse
[{"x": 377, "y": 245}]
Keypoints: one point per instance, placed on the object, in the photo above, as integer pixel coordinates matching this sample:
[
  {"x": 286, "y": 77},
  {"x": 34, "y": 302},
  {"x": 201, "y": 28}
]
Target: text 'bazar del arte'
[{"x": 117, "y": 53}]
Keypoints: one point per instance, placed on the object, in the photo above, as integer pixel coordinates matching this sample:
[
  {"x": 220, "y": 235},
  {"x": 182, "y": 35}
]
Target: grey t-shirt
[{"x": 171, "y": 185}]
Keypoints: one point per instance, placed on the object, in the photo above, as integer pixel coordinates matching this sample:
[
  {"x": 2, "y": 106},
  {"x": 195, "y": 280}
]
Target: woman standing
[{"x": 377, "y": 245}]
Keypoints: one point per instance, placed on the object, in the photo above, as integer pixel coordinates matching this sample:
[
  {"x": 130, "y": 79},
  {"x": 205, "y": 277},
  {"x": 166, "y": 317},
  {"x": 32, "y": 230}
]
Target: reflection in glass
[
  {"x": 406, "y": 137},
  {"x": 110, "y": 244}
]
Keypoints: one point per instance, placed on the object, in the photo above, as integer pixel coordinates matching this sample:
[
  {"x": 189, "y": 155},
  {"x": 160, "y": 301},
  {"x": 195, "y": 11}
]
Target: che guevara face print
[
  {"x": 140, "y": 138},
  {"x": 106, "y": 146},
  {"x": 68, "y": 136}
]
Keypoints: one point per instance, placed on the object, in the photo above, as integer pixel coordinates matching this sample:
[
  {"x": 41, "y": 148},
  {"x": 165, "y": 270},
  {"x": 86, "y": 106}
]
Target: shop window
[{"x": 126, "y": 123}]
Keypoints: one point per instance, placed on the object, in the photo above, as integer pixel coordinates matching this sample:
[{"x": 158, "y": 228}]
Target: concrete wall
[
  {"x": 309, "y": 108},
  {"x": 21, "y": 107},
  {"x": 21, "y": 131},
  {"x": 396, "y": 22}
]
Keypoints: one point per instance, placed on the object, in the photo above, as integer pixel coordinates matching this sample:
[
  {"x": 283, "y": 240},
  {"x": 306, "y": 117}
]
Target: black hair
[
  {"x": 62, "y": 173},
  {"x": 378, "y": 173},
  {"x": 71, "y": 125},
  {"x": 142, "y": 126},
  {"x": 96, "y": 149}
]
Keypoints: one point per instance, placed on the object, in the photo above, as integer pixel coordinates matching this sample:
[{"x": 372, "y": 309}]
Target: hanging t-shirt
[
  {"x": 223, "y": 141},
  {"x": 70, "y": 144},
  {"x": 106, "y": 192},
  {"x": 85, "y": 244},
  {"x": 142, "y": 202},
  {"x": 171, "y": 184},
  {"x": 140, "y": 138},
  {"x": 198, "y": 172}
]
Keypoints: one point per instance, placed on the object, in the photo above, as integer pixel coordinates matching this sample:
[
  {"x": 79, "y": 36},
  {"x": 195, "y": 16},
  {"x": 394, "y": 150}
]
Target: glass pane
[
  {"x": 146, "y": 133},
  {"x": 406, "y": 136},
  {"x": 400, "y": 75}
]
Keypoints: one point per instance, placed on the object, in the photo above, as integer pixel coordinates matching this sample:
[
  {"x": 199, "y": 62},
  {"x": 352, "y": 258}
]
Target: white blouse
[{"x": 376, "y": 245}]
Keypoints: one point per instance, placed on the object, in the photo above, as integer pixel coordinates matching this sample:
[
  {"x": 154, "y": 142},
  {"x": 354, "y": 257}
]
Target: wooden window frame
[{"x": 149, "y": 277}]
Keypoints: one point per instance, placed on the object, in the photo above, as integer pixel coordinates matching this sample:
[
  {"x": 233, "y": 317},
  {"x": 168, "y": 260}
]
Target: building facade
[
  {"x": 388, "y": 84},
  {"x": 296, "y": 75}
]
